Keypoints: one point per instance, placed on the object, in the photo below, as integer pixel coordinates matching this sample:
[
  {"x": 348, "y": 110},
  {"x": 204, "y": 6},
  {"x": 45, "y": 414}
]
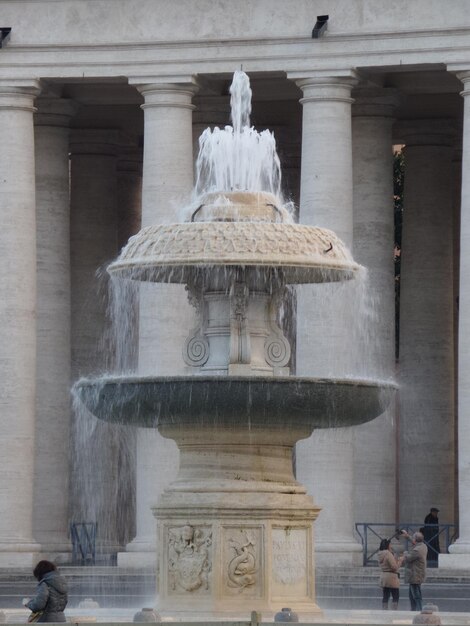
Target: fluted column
[
  {"x": 323, "y": 321},
  {"x": 17, "y": 322},
  {"x": 52, "y": 453},
  {"x": 165, "y": 314},
  {"x": 460, "y": 551},
  {"x": 426, "y": 323},
  {"x": 373, "y": 111}
]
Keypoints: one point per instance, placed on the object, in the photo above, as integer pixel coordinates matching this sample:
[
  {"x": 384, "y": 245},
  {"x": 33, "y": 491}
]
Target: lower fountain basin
[{"x": 251, "y": 402}]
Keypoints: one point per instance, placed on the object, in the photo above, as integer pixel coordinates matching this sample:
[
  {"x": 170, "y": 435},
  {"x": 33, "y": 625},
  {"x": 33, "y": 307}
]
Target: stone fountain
[{"x": 235, "y": 529}]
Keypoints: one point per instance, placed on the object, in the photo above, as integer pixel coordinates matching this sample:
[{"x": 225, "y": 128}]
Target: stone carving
[
  {"x": 196, "y": 349},
  {"x": 240, "y": 342},
  {"x": 289, "y": 556},
  {"x": 237, "y": 242},
  {"x": 277, "y": 351},
  {"x": 242, "y": 568},
  {"x": 276, "y": 348},
  {"x": 189, "y": 558}
]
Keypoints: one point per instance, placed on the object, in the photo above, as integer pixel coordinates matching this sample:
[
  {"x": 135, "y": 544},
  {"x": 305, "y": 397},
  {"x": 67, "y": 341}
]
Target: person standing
[
  {"x": 389, "y": 578},
  {"x": 415, "y": 569},
  {"x": 431, "y": 536},
  {"x": 51, "y": 597}
]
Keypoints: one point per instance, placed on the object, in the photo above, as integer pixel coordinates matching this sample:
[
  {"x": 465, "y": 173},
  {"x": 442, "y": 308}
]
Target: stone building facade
[{"x": 101, "y": 105}]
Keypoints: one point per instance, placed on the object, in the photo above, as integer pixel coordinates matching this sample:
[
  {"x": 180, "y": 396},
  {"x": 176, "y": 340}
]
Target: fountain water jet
[{"x": 235, "y": 528}]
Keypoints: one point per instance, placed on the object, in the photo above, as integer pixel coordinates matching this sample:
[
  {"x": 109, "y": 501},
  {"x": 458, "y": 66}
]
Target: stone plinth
[{"x": 235, "y": 530}]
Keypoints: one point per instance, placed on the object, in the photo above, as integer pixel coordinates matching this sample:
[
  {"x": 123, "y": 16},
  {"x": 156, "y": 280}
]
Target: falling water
[
  {"x": 103, "y": 455},
  {"x": 238, "y": 158}
]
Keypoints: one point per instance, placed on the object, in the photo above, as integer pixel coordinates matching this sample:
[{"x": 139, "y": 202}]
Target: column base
[
  {"x": 140, "y": 553},
  {"x": 338, "y": 554},
  {"x": 19, "y": 554},
  {"x": 137, "y": 560},
  {"x": 458, "y": 558},
  {"x": 57, "y": 549}
]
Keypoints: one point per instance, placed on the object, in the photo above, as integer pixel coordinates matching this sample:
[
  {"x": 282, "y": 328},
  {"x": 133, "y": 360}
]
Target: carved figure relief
[
  {"x": 242, "y": 567},
  {"x": 189, "y": 558},
  {"x": 240, "y": 343}
]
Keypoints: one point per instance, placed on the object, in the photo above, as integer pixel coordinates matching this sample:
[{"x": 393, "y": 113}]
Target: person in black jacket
[
  {"x": 431, "y": 535},
  {"x": 51, "y": 593}
]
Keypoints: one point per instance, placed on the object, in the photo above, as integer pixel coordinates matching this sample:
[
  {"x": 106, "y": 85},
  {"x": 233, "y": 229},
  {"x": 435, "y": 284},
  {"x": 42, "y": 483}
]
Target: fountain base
[
  {"x": 235, "y": 529},
  {"x": 225, "y": 554}
]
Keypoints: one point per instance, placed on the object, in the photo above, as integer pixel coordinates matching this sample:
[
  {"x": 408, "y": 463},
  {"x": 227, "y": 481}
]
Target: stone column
[
  {"x": 456, "y": 202},
  {"x": 165, "y": 314},
  {"x": 17, "y": 322},
  {"x": 460, "y": 551},
  {"x": 323, "y": 322},
  {"x": 129, "y": 181},
  {"x": 426, "y": 463},
  {"x": 93, "y": 247},
  {"x": 211, "y": 111},
  {"x": 375, "y": 442},
  {"x": 51, "y": 474}
]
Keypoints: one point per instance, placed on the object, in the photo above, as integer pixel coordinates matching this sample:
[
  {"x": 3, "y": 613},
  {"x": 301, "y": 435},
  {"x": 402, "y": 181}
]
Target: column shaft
[
  {"x": 326, "y": 200},
  {"x": 165, "y": 315},
  {"x": 461, "y": 549},
  {"x": 17, "y": 324},
  {"x": 426, "y": 324},
  {"x": 51, "y": 477},
  {"x": 375, "y": 442},
  {"x": 97, "y": 445}
]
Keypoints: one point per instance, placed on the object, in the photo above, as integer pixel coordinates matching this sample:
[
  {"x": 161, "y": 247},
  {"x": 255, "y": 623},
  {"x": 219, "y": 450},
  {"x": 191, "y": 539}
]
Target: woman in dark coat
[{"x": 51, "y": 593}]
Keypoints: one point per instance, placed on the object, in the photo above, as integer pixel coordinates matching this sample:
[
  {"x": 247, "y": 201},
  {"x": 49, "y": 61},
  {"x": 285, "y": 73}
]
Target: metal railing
[
  {"x": 4, "y": 35},
  {"x": 437, "y": 538},
  {"x": 83, "y": 536}
]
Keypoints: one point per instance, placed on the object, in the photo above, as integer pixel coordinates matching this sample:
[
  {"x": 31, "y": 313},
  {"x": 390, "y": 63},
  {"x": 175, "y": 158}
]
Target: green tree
[{"x": 398, "y": 189}]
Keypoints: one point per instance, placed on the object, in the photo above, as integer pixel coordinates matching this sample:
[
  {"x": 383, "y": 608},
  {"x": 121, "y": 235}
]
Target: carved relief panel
[
  {"x": 242, "y": 561},
  {"x": 189, "y": 559},
  {"x": 290, "y": 562}
]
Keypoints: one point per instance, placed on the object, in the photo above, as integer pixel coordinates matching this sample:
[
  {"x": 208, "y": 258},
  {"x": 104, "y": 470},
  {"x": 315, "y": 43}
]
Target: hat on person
[{"x": 434, "y": 510}]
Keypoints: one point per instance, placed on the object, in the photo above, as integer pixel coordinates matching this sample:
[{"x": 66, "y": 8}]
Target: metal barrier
[
  {"x": 83, "y": 536},
  {"x": 372, "y": 534}
]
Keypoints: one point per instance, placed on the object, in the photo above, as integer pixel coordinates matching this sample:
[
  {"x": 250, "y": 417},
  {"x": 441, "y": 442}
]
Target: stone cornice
[
  {"x": 191, "y": 57},
  {"x": 204, "y": 43}
]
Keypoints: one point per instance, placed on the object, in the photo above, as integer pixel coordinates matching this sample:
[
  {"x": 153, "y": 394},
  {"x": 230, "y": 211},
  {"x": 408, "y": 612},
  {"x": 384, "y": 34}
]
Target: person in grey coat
[
  {"x": 415, "y": 569},
  {"x": 51, "y": 593}
]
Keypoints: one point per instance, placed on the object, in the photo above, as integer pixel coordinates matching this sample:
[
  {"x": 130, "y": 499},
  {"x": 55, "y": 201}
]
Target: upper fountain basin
[{"x": 233, "y": 230}]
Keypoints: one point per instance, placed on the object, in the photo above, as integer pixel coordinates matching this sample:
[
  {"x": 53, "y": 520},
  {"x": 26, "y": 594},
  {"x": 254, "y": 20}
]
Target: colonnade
[{"x": 50, "y": 326}]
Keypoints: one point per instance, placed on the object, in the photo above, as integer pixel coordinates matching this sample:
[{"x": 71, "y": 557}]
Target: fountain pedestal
[{"x": 235, "y": 530}]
